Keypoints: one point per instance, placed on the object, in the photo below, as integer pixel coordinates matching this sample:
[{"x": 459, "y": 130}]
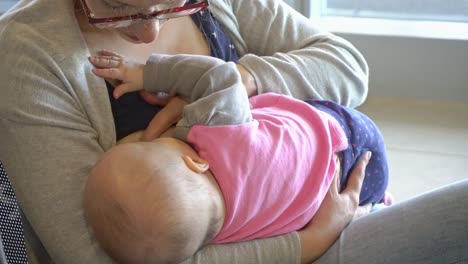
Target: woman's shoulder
[
  {"x": 40, "y": 58},
  {"x": 39, "y": 23},
  {"x": 38, "y": 30},
  {"x": 24, "y": 57},
  {"x": 39, "y": 14}
]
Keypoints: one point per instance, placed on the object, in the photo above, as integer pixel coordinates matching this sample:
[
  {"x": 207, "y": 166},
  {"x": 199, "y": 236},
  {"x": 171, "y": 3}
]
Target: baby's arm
[
  {"x": 213, "y": 87},
  {"x": 217, "y": 97},
  {"x": 192, "y": 77}
]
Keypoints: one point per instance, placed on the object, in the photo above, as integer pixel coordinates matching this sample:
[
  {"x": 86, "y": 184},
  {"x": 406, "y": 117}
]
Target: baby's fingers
[
  {"x": 108, "y": 53},
  {"x": 106, "y": 61},
  {"x": 121, "y": 90},
  {"x": 112, "y": 73}
]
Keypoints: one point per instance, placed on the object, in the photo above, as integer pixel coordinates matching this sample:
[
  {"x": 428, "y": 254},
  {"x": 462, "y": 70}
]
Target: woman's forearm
[
  {"x": 316, "y": 241},
  {"x": 287, "y": 54},
  {"x": 337, "y": 210}
]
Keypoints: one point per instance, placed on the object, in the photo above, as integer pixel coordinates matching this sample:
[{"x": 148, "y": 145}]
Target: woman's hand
[
  {"x": 335, "y": 213},
  {"x": 110, "y": 65},
  {"x": 167, "y": 117}
]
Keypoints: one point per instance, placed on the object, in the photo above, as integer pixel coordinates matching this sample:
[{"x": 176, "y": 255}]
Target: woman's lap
[{"x": 431, "y": 228}]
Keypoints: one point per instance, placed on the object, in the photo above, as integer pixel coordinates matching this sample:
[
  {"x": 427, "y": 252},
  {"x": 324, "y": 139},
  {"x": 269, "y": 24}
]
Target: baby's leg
[{"x": 363, "y": 135}]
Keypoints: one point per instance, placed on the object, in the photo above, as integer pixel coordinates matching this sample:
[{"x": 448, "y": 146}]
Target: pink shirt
[{"x": 275, "y": 171}]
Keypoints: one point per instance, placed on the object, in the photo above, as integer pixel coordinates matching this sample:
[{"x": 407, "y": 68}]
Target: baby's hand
[
  {"x": 113, "y": 66},
  {"x": 164, "y": 119}
]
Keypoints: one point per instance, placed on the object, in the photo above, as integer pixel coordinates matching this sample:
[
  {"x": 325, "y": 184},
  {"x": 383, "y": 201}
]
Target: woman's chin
[{"x": 131, "y": 39}]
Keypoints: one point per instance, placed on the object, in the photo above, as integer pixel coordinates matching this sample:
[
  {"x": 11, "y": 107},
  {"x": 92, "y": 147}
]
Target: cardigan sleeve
[
  {"x": 275, "y": 250},
  {"x": 49, "y": 141},
  {"x": 287, "y": 54}
]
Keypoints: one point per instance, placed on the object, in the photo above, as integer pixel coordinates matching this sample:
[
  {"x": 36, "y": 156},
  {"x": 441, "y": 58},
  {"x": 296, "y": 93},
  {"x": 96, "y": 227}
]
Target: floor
[{"x": 427, "y": 142}]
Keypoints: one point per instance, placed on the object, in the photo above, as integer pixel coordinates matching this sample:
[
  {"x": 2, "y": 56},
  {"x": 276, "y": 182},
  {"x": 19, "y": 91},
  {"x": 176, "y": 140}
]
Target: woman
[{"x": 57, "y": 119}]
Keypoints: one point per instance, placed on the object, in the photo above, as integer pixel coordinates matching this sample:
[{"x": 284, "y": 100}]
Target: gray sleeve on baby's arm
[
  {"x": 213, "y": 88},
  {"x": 275, "y": 250},
  {"x": 227, "y": 107},
  {"x": 191, "y": 77}
]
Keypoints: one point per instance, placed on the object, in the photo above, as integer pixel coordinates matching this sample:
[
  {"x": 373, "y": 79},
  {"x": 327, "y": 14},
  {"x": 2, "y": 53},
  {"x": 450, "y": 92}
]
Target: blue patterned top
[
  {"x": 220, "y": 45},
  {"x": 131, "y": 113}
]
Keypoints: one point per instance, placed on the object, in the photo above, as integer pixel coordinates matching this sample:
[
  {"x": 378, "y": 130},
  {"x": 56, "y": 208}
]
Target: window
[
  {"x": 6, "y": 4},
  {"x": 436, "y": 19},
  {"x": 429, "y": 10}
]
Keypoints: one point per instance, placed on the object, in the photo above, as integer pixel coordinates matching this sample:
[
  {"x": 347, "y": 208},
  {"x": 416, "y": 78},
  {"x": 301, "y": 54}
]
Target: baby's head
[{"x": 148, "y": 203}]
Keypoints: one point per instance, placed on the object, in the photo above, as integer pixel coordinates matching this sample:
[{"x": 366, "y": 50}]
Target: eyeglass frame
[{"x": 202, "y": 5}]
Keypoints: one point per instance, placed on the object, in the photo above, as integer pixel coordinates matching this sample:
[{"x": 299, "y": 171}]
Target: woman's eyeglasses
[{"x": 102, "y": 16}]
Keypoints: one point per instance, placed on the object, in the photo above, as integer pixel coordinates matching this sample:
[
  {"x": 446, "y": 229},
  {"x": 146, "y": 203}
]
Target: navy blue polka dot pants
[{"x": 363, "y": 135}]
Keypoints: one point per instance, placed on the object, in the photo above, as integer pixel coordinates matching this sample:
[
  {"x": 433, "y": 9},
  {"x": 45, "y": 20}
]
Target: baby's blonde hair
[{"x": 141, "y": 212}]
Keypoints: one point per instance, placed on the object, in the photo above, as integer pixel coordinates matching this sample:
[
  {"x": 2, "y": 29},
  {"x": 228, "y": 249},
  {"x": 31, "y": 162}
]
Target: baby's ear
[{"x": 196, "y": 164}]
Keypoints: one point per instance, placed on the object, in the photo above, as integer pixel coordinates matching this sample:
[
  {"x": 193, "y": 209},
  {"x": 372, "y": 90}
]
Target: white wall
[{"x": 415, "y": 67}]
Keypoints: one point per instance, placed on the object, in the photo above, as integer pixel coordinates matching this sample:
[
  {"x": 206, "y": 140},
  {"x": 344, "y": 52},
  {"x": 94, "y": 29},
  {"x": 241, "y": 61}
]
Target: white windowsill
[
  {"x": 395, "y": 28},
  {"x": 410, "y": 59}
]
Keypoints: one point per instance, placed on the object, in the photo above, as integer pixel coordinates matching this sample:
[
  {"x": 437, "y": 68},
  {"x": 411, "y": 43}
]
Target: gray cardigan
[{"x": 56, "y": 120}]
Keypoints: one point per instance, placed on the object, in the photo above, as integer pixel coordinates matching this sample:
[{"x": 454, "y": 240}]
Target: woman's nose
[{"x": 147, "y": 30}]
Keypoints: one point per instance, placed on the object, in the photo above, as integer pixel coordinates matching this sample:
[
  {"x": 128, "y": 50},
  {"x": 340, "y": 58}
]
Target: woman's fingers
[
  {"x": 357, "y": 175},
  {"x": 337, "y": 177}
]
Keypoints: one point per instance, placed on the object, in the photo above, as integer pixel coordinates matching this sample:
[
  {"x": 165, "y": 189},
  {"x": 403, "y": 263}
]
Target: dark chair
[{"x": 13, "y": 249}]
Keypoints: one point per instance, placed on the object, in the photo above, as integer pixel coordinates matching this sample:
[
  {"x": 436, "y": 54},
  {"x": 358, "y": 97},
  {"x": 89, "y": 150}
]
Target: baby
[
  {"x": 254, "y": 168},
  {"x": 153, "y": 202}
]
